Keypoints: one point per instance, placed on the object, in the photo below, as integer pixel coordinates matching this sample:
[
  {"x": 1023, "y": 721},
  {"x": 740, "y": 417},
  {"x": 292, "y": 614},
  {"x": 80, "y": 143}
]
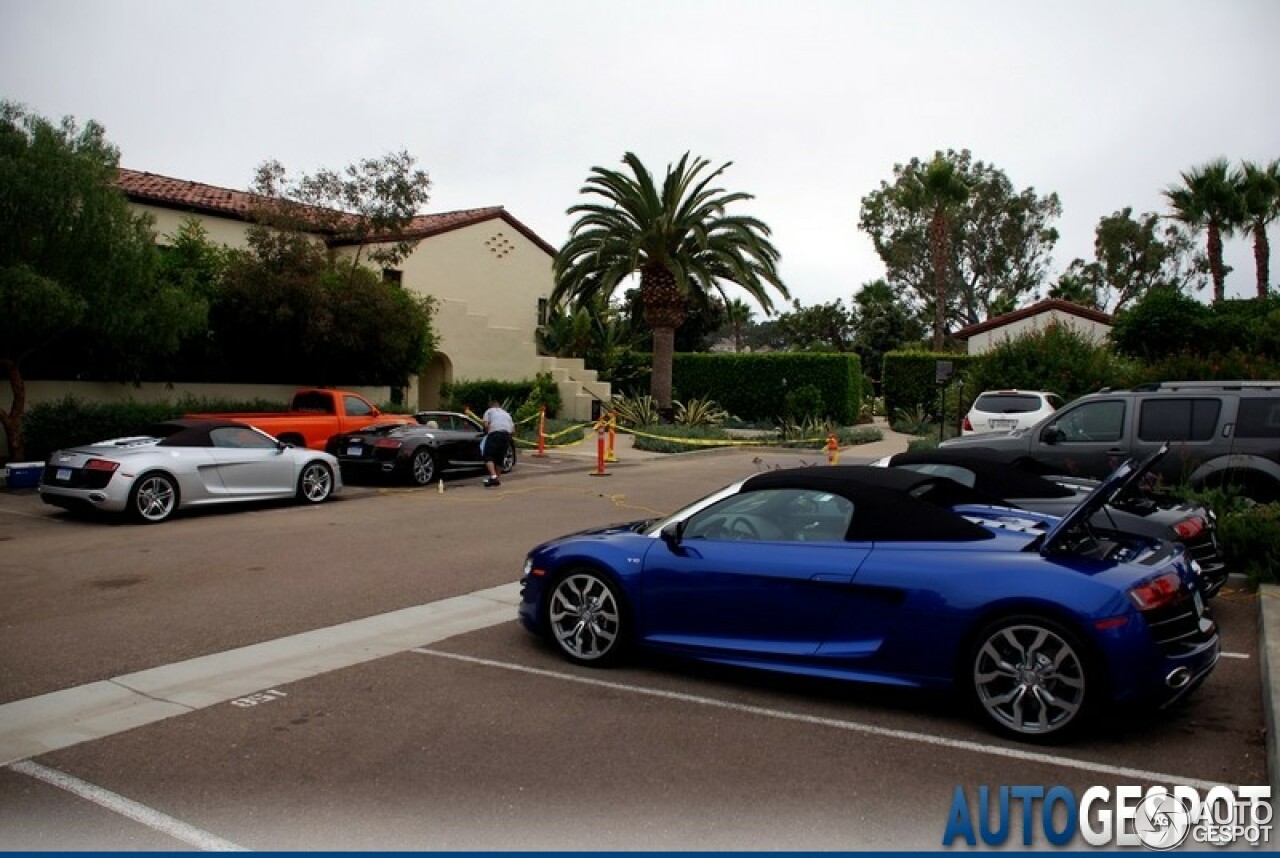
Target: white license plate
[
  {"x": 355, "y": 450},
  {"x": 1003, "y": 424},
  {"x": 64, "y": 474}
]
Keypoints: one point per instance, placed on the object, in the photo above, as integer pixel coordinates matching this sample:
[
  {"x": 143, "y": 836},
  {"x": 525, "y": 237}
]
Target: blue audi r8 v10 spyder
[{"x": 890, "y": 576}]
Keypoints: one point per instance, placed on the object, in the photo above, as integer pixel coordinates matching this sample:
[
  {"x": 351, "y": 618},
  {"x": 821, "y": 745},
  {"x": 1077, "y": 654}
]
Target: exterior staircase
[{"x": 579, "y": 387}]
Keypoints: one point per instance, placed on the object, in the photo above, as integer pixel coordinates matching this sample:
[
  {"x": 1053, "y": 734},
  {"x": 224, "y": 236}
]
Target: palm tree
[
  {"x": 738, "y": 314},
  {"x": 940, "y": 190},
  {"x": 1207, "y": 199},
  {"x": 680, "y": 241},
  {"x": 1259, "y": 191}
]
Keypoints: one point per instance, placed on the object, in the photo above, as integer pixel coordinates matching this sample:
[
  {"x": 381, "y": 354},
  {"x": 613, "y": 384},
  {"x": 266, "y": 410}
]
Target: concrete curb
[{"x": 1269, "y": 655}]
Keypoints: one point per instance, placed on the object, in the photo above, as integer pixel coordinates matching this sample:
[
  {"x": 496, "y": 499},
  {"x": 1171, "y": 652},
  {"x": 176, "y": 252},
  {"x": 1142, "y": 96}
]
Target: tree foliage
[
  {"x": 819, "y": 328},
  {"x": 1000, "y": 238},
  {"x": 1208, "y": 199},
  {"x": 882, "y": 322},
  {"x": 679, "y": 238},
  {"x": 1132, "y": 256},
  {"x": 369, "y": 205},
  {"x": 79, "y": 270},
  {"x": 1259, "y": 192},
  {"x": 288, "y": 310}
]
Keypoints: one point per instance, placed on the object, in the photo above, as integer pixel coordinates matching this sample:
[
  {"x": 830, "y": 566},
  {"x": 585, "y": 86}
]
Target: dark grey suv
[{"x": 1219, "y": 432}]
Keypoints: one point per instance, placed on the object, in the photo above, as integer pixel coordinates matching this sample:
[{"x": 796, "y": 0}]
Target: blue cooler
[{"x": 23, "y": 475}]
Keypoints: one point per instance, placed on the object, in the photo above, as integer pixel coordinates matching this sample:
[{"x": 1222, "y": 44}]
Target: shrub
[
  {"x": 544, "y": 392},
  {"x": 700, "y": 412},
  {"x": 1054, "y": 358},
  {"x": 476, "y": 395},
  {"x": 805, "y": 401},
  {"x": 635, "y": 411},
  {"x": 675, "y": 439},
  {"x": 1250, "y": 540}
]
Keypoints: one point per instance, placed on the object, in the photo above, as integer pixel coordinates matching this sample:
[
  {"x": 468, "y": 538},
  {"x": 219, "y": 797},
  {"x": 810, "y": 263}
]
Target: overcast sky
[{"x": 814, "y": 101}]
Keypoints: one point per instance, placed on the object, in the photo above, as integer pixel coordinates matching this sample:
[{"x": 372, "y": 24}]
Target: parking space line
[
  {"x": 1122, "y": 772},
  {"x": 150, "y": 817},
  {"x": 49, "y": 722}
]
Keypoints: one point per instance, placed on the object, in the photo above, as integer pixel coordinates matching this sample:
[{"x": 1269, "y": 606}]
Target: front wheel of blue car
[
  {"x": 1030, "y": 678},
  {"x": 585, "y": 617}
]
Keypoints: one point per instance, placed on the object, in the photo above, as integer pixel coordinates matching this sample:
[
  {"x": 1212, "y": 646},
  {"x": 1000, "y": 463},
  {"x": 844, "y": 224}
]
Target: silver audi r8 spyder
[{"x": 186, "y": 463}]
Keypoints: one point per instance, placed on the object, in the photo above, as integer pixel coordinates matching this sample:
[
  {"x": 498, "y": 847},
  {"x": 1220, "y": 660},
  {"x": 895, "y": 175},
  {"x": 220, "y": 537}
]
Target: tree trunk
[
  {"x": 11, "y": 420},
  {"x": 664, "y": 347},
  {"x": 1262, "y": 257},
  {"x": 938, "y": 251},
  {"x": 1215, "y": 264}
]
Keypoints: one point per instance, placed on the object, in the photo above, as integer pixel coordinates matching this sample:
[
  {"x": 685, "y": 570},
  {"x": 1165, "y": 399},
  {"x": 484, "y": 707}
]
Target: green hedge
[
  {"x": 909, "y": 379},
  {"x": 757, "y": 386},
  {"x": 751, "y": 386},
  {"x": 69, "y": 422},
  {"x": 523, "y": 399}
]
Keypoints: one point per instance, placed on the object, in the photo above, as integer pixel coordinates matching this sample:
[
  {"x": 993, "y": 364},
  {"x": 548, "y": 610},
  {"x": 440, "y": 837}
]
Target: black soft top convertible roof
[
  {"x": 992, "y": 476},
  {"x": 889, "y": 505},
  {"x": 183, "y": 432}
]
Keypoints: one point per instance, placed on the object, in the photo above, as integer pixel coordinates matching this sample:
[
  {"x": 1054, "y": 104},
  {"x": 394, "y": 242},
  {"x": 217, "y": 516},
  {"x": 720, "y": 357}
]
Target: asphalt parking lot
[{"x": 351, "y": 677}]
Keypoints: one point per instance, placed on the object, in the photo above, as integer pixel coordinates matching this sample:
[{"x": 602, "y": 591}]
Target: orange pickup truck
[{"x": 315, "y": 416}]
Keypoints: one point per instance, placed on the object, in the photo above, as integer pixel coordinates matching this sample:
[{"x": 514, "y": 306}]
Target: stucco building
[
  {"x": 490, "y": 276},
  {"x": 1089, "y": 323}
]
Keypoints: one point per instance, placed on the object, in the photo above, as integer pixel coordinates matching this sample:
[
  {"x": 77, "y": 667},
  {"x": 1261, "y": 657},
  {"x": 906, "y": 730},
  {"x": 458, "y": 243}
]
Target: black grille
[
  {"x": 1181, "y": 627},
  {"x": 80, "y": 478}
]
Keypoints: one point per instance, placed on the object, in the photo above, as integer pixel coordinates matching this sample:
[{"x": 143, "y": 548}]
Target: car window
[
  {"x": 1093, "y": 421},
  {"x": 774, "y": 515},
  {"x": 963, "y": 476},
  {"x": 1178, "y": 419},
  {"x": 240, "y": 438},
  {"x": 316, "y": 402},
  {"x": 1054, "y": 400},
  {"x": 1007, "y": 403},
  {"x": 356, "y": 407},
  {"x": 1258, "y": 418}
]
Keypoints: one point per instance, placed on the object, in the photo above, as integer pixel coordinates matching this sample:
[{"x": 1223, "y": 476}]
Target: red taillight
[
  {"x": 387, "y": 443},
  {"x": 1189, "y": 528},
  {"x": 101, "y": 465},
  {"x": 967, "y": 426},
  {"x": 1164, "y": 590}
]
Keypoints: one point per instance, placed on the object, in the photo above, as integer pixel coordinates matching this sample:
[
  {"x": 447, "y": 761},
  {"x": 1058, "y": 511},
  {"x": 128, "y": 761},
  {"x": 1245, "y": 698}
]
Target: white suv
[{"x": 1008, "y": 410}]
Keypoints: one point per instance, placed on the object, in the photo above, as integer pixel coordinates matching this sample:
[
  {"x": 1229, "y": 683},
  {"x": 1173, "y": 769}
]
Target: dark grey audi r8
[{"x": 419, "y": 453}]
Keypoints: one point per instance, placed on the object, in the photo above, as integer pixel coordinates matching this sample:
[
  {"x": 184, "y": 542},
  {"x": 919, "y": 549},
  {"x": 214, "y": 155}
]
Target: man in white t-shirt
[{"x": 498, "y": 427}]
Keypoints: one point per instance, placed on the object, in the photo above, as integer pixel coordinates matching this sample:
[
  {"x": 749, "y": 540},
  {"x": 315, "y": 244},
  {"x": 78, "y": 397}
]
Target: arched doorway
[{"x": 438, "y": 372}]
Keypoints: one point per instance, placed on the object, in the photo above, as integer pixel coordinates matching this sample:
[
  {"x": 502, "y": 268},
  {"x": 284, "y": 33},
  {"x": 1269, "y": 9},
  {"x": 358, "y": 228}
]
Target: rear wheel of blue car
[
  {"x": 422, "y": 467},
  {"x": 585, "y": 617},
  {"x": 1030, "y": 678}
]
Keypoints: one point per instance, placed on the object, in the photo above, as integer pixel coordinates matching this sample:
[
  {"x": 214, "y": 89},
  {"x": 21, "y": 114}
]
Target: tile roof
[
  {"x": 199, "y": 198},
  {"x": 1046, "y": 306}
]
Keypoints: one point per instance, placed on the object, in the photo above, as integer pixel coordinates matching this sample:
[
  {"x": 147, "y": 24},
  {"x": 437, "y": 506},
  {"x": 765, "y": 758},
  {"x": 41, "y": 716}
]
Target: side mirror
[
  {"x": 1053, "y": 435},
  {"x": 672, "y": 534}
]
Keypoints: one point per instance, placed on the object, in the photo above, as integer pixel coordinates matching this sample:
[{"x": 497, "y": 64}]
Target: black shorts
[{"x": 496, "y": 445}]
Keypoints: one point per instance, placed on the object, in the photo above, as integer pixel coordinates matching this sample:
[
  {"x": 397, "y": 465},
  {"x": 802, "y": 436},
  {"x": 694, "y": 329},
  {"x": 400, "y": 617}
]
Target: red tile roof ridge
[{"x": 157, "y": 189}]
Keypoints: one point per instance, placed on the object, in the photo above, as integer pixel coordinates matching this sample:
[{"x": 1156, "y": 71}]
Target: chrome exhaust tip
[
  {"x": 1178, "y": 678},
  {"x": 97, "y": 497},
  {"x": 388, "y": 467}
]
